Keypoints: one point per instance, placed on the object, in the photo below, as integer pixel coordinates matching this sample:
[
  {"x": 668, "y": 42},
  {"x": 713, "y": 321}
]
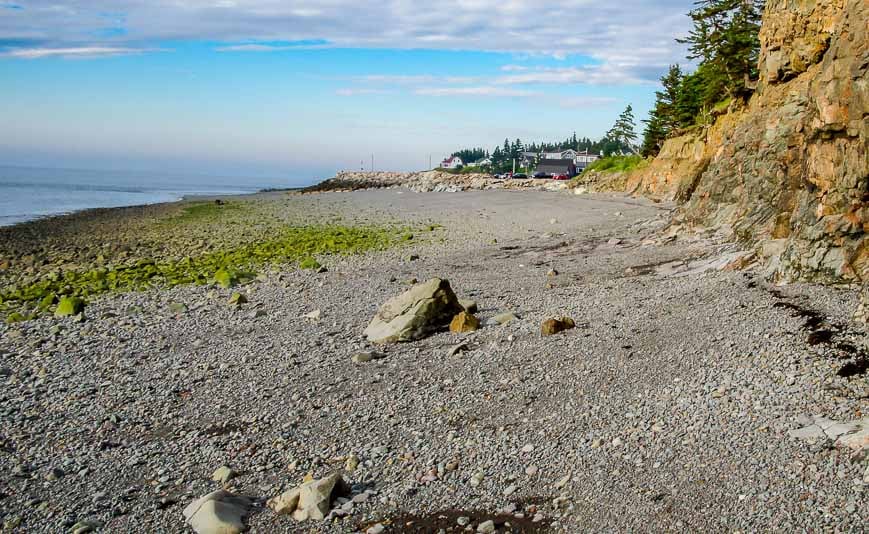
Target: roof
[{"x": 555, "y": 165}]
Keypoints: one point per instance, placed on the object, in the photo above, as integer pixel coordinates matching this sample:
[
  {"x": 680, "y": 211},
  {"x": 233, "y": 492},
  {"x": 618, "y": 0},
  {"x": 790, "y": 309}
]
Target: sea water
[{"x": 28, "y": 193}]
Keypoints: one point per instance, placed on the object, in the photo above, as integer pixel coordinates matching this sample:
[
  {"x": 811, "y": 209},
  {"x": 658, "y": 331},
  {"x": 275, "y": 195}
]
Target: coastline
[{"x": 672, "y": 399}]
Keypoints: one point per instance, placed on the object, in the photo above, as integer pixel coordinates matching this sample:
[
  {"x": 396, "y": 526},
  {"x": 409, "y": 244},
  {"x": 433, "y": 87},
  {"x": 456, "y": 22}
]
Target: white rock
[{"x": 219, "y": 512}]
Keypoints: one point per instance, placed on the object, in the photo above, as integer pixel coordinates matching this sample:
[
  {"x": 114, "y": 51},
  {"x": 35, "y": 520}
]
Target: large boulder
[
  {"x": 311, "y": 500},
  {"x": 416, "y": 313},
  {"x": 219, "y": 512}
]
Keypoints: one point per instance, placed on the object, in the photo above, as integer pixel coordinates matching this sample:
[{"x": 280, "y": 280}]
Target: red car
[{"x": 560, "y": 177}]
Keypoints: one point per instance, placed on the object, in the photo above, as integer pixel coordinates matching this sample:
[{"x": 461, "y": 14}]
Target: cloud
[
  {"x": 274, "y": 47},
  {"x": 641, "y": 30},
  {"x": 475, "y": 91},
  {"x": 358, "y": 91},
  {"x": 74, "y": 52},
  {"x": 605, "y": 74}
]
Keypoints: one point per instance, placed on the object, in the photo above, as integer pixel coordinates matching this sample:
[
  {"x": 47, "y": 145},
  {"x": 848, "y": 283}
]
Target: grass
[
  {"x": 616, "y": 164},
  {"x": 224, "y": 267}
]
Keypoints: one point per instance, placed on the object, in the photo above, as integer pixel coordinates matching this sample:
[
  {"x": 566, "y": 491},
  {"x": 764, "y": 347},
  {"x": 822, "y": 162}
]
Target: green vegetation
[
  {"x": 203, "y": 212},
  {"x": 725, "y": 39},
  {"x": 623, "y": 134},
  {"x": 616, "y": 164},
  {"x": 224, "y": 267}
]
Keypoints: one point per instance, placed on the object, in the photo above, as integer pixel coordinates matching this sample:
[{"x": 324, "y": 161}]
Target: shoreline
[{"x": 671, "y": 406}]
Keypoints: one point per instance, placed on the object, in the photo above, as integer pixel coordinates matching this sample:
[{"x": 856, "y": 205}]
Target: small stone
[
  {"x": 527, "y": 448},
  {"x": 377, "y": 528},
  {"x": 554, "y": 326},
  {"x": 351, "y": 463},
  {"x": 464, "y": 322},
  {"x": 237, "y": 299},
  {"x": 468, "y": 305},
  {"x": 463, "y": 521},
  {"x": 54, "y": 474},
  {"x": 458, "y": 349},
  {"x": 177, "y": 308},
  {"x": 365, "y": 357},
  {"x": 88, "y": 525},
  {"x": 501, "y": 318},
  {"x": 223, "y": 474},
  {"x": 510, "y": 490},
  {"x": 486, "y": 527},
  {"x": 477, "y": 479},
  {"x": 552, "y": 273},
  {"x": 531, "y": 470}
]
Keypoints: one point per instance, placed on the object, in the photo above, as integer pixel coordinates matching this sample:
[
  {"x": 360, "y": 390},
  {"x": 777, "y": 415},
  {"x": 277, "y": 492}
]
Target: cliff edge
[{"x": 789, "y": 172}]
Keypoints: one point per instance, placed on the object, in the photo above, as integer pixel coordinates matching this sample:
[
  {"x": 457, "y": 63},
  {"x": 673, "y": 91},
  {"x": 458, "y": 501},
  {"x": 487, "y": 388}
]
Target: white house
[
  {"x": 481, "y": 163},
  {"x": 584, "y": 159},
  {"x": 564, "y": 154},
  {"x": 453, "y": 162}
]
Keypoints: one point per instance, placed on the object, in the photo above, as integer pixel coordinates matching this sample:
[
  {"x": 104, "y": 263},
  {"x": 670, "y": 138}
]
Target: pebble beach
[{"x": 677, "y": 402}]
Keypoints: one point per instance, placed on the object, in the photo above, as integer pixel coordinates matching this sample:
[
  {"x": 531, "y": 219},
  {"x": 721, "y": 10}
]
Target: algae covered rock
[
  {"x": 224, "y": 279},
  {"x": 418, "y": 312},
  {"x": 69, "y": 306},
  {"x": 237, "y": 299}
]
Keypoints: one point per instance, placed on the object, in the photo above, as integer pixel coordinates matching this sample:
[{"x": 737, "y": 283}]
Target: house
[
  {"x": 584, "y": 159},
  {"x": 485, "y": 162},
  {"x": 564, "y": 154},
  {"x": 528, "y": 159},
  {"x": 557, "y": 166},
  {"x": 453, "y": 162}
]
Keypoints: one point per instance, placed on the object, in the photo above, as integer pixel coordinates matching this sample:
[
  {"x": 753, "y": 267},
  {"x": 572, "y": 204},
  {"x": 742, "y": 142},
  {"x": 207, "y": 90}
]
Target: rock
[
  {"x": 224, "y": 279},
  {"x": 177, "y": 308},
  {"x": 237, "y": 299},
  {"x": 223, "y": 474},
  {"x": 552, "y": 273},
  {"x": 219, "y": 512},
  {"x": 468, "y": 305},
  {"x": 531, "y": 470},
  {"x": 416, "y": 313},
  {"x": 365, "y": 357},
  {"x": 477, "y": 479},
  {"x": 553, "y": 221},
  {"x": 486, "y": 527},
  {"x": 88, "y": 525},
  {"x": 527, "y": 448},
  {"x": 464, "y": 322},
  {"x": 553, "y": 326},
  {"x": 463, "y": 521},
  {"x": 313, "y": 316},
  {"x": 510, "y": 490},
  {"x": 502, "y": 318},
  {"x": 458, "y": 349},
  {"x": 614, "y": 241},
  {"x": 69, "y": 306},
  {"x": 54, "y": 474},
  {"x": 376, "y": 528},
  {"x": 311, "y": 500},
  {"x": 351, "y": 463}
]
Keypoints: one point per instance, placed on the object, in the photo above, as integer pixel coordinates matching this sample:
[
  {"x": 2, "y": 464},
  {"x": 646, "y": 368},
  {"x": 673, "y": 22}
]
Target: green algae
[
  {"x": 69, "y": 306},
  {"x": 228, "y": 267}
]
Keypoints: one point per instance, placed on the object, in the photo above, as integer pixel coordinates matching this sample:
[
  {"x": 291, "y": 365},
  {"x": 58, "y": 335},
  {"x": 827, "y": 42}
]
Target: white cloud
[
  {"x": 475, "y": 91},
  {"x": 357, "y": 91},
  {"x": 640, "y": 31},
  {"x": 74, "y": 52}
]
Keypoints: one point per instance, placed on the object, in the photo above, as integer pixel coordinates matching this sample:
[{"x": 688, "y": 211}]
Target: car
[
  {"x": 541, "y": 174},
  {"x": 560, "y": 177},
  {"x": 520, "y": 176}
]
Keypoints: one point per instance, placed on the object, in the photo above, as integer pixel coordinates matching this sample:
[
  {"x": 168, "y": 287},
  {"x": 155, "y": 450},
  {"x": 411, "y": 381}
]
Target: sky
[{"x": 305, "y": 88}]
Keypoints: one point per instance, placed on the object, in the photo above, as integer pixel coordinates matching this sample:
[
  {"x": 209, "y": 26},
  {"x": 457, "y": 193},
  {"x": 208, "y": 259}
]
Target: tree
[
  {"x": 725, "y": 39},
  {"x": 663, "y": 120},
  {"x": 623, "y": 131}
]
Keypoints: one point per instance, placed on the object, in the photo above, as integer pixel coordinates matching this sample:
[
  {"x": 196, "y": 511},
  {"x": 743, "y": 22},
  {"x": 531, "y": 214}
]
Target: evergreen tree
[
  {"x": 663, "y": 119},
  {"x": 725, "y": 39},
  {"x": 623, "y": 132}
]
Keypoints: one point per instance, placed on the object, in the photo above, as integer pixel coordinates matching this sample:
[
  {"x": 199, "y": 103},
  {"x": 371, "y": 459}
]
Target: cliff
[{"x": 789, "y": 172}]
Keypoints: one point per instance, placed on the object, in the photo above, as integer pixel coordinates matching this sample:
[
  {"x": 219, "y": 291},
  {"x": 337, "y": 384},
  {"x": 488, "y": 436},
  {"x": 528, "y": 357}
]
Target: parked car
[
  {"x": 520, "y": 176},
  {"x": 560, "y": 177},
  {"x": 541, "y": 174}
]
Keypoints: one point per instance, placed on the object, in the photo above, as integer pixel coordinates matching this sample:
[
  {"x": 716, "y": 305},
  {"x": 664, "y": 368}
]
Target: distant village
[{"x": 568, "y": 163}]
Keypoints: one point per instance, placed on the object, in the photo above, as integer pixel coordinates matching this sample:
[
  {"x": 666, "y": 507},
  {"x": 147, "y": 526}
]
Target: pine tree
[{"x": 623, "y": 131}]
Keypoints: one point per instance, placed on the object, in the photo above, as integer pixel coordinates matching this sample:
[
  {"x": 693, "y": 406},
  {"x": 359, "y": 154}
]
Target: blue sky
[{"x": 277, "y": 88}]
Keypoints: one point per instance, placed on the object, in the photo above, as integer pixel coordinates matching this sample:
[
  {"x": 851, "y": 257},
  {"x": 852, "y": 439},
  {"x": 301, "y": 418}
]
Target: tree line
[{"x": 725, "y": 42}]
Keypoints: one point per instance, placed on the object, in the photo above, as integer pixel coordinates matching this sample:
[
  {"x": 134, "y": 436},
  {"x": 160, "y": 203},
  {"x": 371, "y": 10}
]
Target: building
[
  {"x": 453, "y": 162},
  {"x": 557, "y": 166},
  {"x": 584, "y": 159},
  {"x": 564, "y": 154},
  {"x": 485, "y": 162}
]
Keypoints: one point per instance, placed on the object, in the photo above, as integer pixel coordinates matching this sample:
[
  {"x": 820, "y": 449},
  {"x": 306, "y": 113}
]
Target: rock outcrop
[{"x": 789, "y": 172}]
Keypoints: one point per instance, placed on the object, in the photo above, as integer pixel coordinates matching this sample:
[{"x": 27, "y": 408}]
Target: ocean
[{"x": 27, "y": 193}]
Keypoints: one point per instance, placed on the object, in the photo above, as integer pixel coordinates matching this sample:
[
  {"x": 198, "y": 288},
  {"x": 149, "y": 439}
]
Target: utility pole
[
  {"x": 429, "y": 162},
  {"x": 372, "y": 162}
]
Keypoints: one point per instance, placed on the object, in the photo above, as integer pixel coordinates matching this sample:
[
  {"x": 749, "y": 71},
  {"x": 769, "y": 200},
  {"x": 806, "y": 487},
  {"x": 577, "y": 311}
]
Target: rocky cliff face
[{"x": 790, "y": 171}]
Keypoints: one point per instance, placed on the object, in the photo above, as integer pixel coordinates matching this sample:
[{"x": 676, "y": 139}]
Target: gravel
[{"x": 667, "y": 407}]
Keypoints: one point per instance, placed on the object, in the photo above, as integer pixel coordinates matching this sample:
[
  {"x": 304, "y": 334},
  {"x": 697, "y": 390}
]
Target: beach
[{"x": 674, "y": 403}]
